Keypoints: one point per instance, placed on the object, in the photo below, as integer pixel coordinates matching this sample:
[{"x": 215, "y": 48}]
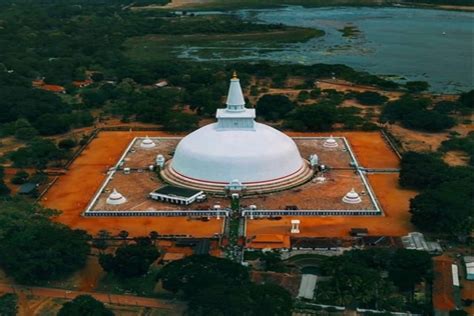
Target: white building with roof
[
  {"x": 236, "y": 148},
  {"x": 469, "y": 264}
]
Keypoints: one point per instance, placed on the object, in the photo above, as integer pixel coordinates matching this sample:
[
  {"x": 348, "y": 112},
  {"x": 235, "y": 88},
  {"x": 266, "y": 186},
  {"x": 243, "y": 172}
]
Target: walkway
[{"x": 103, "y": 297}]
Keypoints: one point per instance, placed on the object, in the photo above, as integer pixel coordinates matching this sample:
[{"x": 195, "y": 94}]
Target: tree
[
  {"x": 101, "y": 242},
  {"x": 303, "y": 96},
  {"x": 315, "y": 117},
  {"x": 396, "y": 110},
  {"x": 431, "y": 121},
  {"x": 123, "y": 234},
  {"x": 467, "y": 99},
  {"x": 180, "y": 122},
  {"x": 409, "y": 267},
  {"x": 38, "y": 153},
  {"x": 51, "y": 124},
  {"x": 8, "y": 305},
  {"x": 130, "y": 260},
  {"x": 194, "y": 273},
  {"x": 67, "y": 143},
  {"x": 33, "y": 248},
  {"x": 315, "y": 93},
  {"x": 417, "y": 86},
  {"x": 445, "y": 208},
  {"x": 4, "y": 189},
  {"x": 446, "y": 107},
  {"x": 24, "y": 130},
  {"x": 216, "y": 286},
  {"x": 274, "y": 107},
  {"x": 420, "y": 171},
  {"x": 271, "y": 300},
  {"x": 371, "y": 98},
  {"x": 154, "y": 236},
  {"x": 273, "y": 262},
  {"x": 84, "y": 305},
  {"x": 21, "y": 176}
]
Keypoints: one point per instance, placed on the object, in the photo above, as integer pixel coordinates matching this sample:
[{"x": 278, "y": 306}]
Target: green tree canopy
[
  {"x": 446, "y": 208},
  {"x": 417, "y": 86},
  {"x": 371, "y": 98},
  {"x": 130, "y": 260},
  {"x": 274, "y": 107},
  {"x": 84, "y": 305},
  {"x": 8, "y": 304},
  {"x": 33, "y": 248},
  {"x": 195, "y": 272},
  {"x": 315, "y": 117},
  {"x": 216, "y": 286}
]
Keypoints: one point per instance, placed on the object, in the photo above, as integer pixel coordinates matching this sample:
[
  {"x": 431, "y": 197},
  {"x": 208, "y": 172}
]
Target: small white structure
[
  {"x": 295, "y": 226},
  {"x": 314, "y": 160},
  {"x": 352, "y": 197},
  {"x": 115, "y": 198},
  {"x": 161, "y": 84},
  {"x": 330, "y": 143},
  {"x": 235, "y": 185},
  {"x": 160, "y": 161},
  {"x": 320, "y": 179},
  {"x": 307, "y": 286},
  {"x": 469, "y": 262},
  {"x": 455, "y": 274},
  {"x": 147, "y": 143}
]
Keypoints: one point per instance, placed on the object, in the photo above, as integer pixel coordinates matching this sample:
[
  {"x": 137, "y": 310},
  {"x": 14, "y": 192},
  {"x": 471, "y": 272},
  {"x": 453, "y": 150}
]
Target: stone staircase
[{"x": 299, "y": 178}]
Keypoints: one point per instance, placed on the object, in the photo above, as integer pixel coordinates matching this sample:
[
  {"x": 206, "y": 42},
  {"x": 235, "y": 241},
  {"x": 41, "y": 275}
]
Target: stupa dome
[
  {"x": 115, "y": 198},
  {"x": 352, "y": 197},
  {"x": 330, "y": 143},
  {"x": 147, "y": 143},
  {"x": 236, "y": 147}
]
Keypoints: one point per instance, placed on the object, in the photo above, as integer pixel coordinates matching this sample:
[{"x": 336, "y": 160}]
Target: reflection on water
[{"x": 417, "y": 44}]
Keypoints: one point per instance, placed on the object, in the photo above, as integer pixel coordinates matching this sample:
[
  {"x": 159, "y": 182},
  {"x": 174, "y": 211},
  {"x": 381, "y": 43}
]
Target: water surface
[{"x": 414, "y": 44}]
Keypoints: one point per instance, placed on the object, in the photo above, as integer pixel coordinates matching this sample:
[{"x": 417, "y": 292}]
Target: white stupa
[
  {"x": 330, "y": 142},
  {"x": 236, "y": 147},
  {"x": 115, "y": 198},
  {"x": 147, "y": 143},
  {"x": 352, "y": 197}
]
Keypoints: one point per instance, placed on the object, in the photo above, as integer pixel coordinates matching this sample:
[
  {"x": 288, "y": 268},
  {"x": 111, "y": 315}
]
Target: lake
[{"x": 407, "y": 43}]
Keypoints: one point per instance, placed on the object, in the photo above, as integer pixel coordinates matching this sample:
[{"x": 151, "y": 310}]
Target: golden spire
[{"x": 234, "y": 75}]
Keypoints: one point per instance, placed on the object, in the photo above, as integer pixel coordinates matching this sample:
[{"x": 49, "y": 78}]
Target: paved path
[{"x": 103, "y": 297}]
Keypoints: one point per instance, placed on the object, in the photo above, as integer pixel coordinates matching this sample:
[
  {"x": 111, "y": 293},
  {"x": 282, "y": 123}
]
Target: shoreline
[{"x": 216, "y": 5}]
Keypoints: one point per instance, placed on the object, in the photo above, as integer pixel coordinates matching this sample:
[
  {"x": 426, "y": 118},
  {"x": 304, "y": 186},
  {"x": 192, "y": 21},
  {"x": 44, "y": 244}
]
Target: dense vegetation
[
  {"x": 215, "y": 286},
  {"x": 35, "y": 249},
  {"x": 382, "y": 279},
  {"x": 8, "y": 304},
  {"x": 413, "y": 112},
  {"x": 84, "y": 305},
  {"x": 445, "y": 204},
  {"x": 130, "y": 260}
]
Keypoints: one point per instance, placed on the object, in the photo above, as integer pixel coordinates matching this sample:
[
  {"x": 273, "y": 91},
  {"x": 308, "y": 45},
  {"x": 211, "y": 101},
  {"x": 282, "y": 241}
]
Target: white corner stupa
[
  {"x": 115, "y": 198},
  {"x": 352, "y": 197},
  {"x": 147, "y": 143},
  {"x": 237, "y": 147},
  {"x": 330, "y": 142}
]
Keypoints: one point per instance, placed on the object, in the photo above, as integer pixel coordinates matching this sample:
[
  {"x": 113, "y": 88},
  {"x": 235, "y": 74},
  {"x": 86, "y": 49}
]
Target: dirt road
[{"x": 103, "y": 297}]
